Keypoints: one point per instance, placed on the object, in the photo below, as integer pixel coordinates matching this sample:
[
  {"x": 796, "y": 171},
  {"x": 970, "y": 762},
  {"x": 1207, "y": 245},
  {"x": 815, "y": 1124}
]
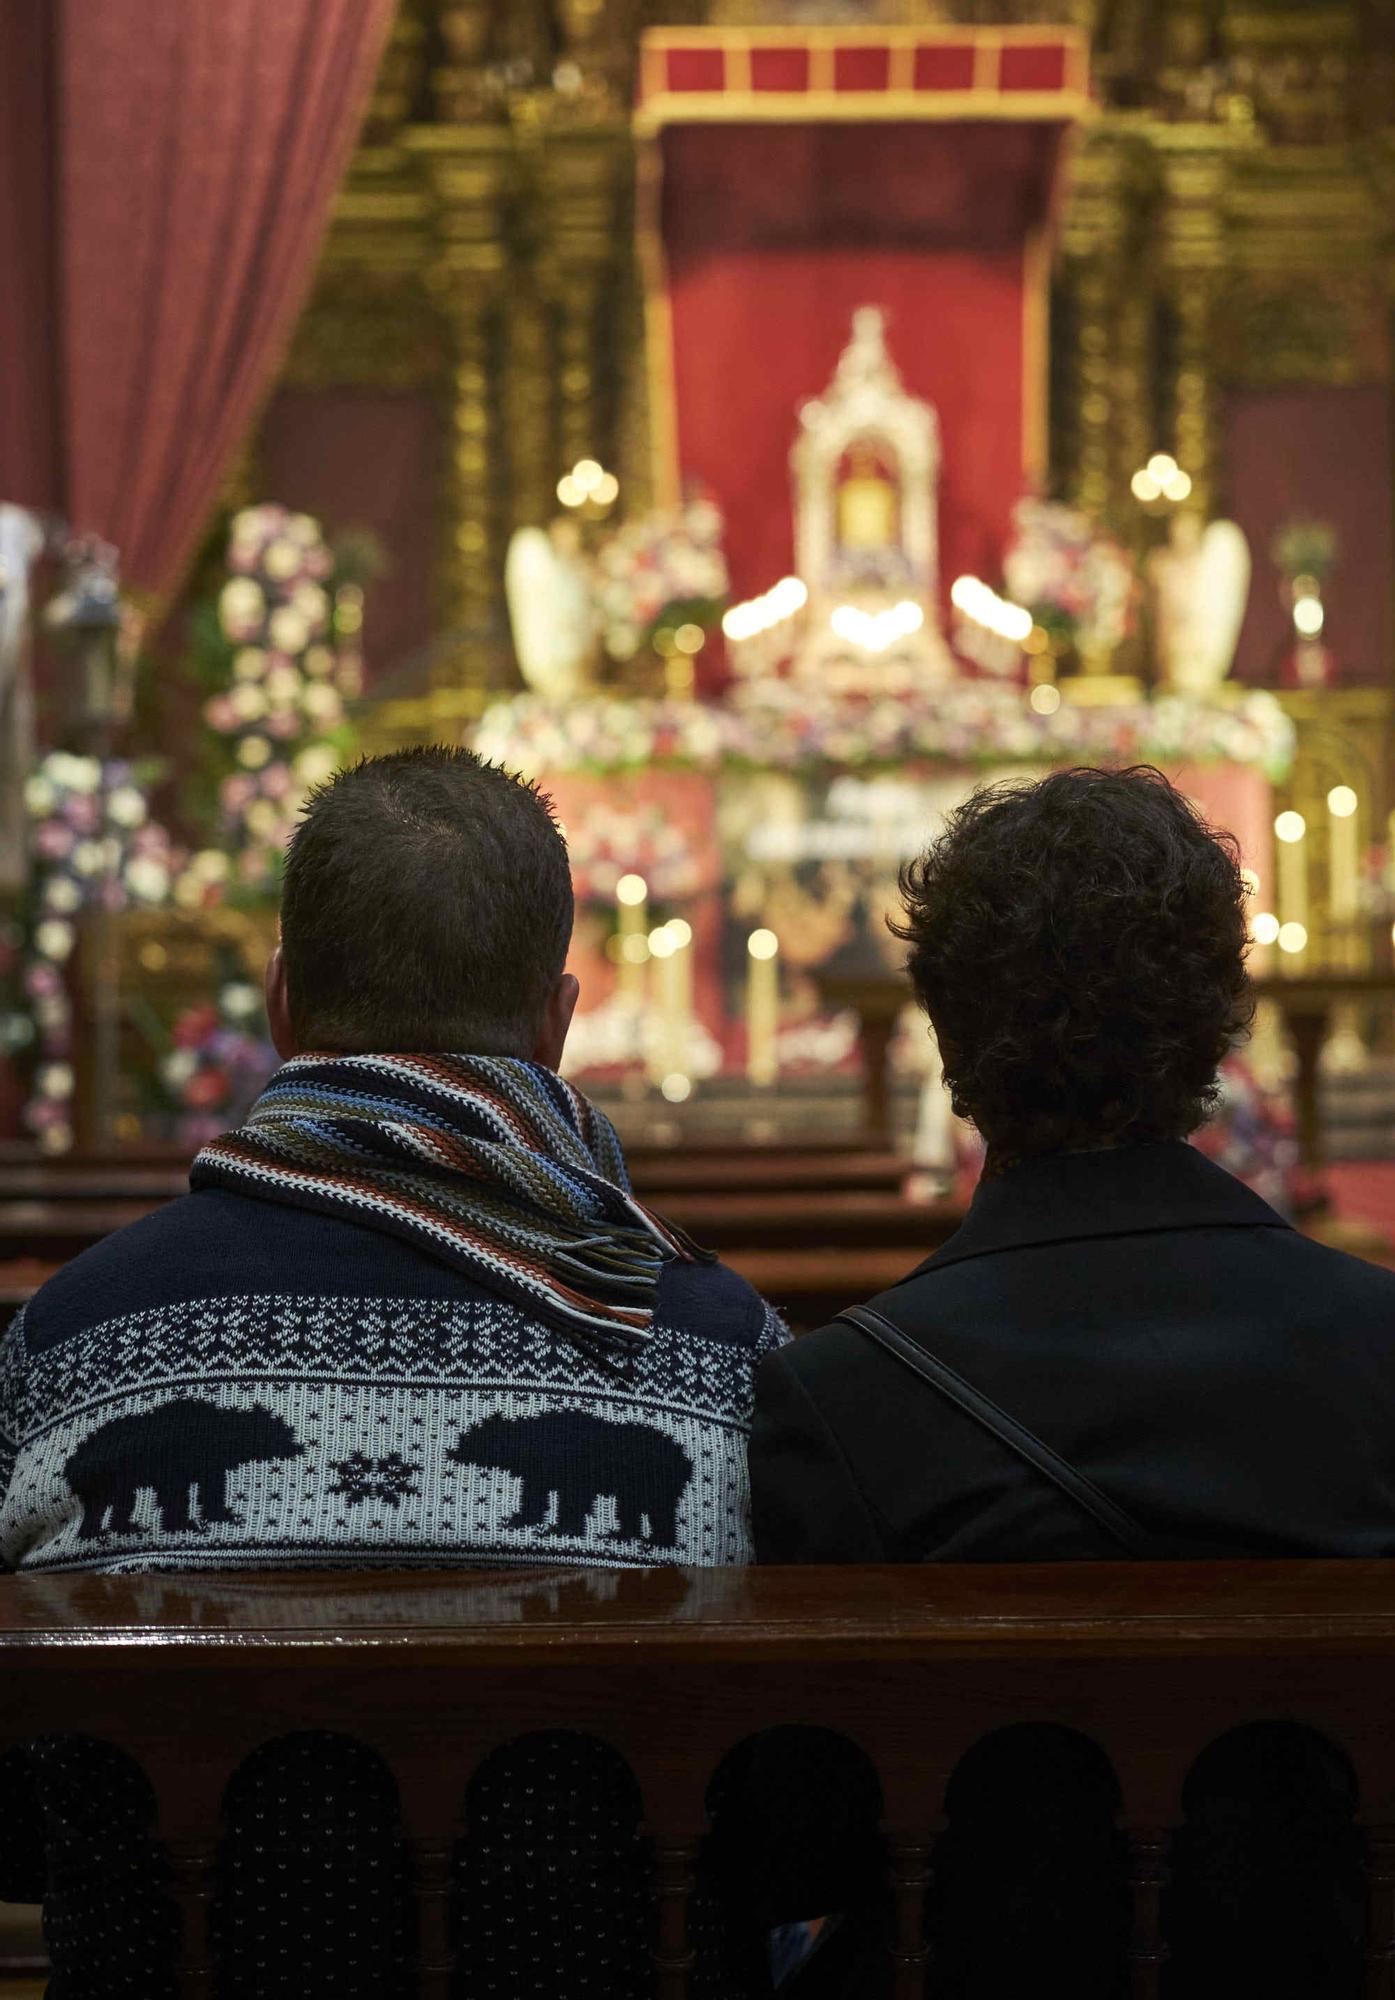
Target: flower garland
[
  {"x": 608, "y": 843},
  {"x": 291, "y": 646},
  {"x": 1074, "y": 578},
  {"x": 661, "y": 568},
  {"x": 216, "y": 1065},
  {"x": 93, "y": 842},
  {"x": 782, "y": 725}
]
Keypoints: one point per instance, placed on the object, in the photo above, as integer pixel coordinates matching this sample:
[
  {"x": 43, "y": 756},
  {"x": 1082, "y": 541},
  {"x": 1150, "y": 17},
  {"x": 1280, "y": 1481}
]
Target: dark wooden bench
[{"x": 673, "y": 1667}]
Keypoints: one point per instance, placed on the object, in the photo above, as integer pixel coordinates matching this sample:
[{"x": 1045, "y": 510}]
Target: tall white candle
[
  {"x": 1343, "y": 869},
  {"x": 1290, "y": 830},
  {"x": 632, "y": 908},
  {"x": 762, "y": 1008}
]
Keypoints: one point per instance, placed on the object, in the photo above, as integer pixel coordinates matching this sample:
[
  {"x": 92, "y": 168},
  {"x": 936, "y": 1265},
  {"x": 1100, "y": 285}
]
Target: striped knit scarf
[{"x": 494, "y": 1165}]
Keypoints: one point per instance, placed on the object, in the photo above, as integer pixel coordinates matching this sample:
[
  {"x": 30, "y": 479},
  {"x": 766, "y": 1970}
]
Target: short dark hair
[
  {"x": 1079, "y": 946},
  {"x": 427, "y": 906}
]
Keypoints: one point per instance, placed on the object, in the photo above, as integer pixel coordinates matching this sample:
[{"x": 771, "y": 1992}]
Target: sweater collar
[{"x": 1118, "y": 1191}]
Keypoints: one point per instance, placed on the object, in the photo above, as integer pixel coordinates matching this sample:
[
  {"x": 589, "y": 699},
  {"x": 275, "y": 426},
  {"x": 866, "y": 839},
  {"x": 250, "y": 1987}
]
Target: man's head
[
  {"x": 427, "y": 908},
  {"x": 1079, "y": 946}
]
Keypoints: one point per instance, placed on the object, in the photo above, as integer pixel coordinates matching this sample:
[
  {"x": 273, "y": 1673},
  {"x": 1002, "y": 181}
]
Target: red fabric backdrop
[
  {"x": 1324, "y": 453},
  {"x": 773, "y": 236},
  {"x": 362, "y": 458},
  {"x": 187, "y": 156}
]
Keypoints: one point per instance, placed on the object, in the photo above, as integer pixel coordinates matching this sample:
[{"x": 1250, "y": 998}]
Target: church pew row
[
  {"x": 728, "y": 1221},
  {"x": 808, "y": 1286},
  {"x": 431, "y": 1672},
  {"x": 658, "y": 1172}
]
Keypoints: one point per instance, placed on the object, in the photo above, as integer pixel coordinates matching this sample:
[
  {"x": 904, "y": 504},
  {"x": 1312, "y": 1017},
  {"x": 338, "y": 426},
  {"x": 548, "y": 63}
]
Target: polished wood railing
[{"x": 672, "y": 1668}]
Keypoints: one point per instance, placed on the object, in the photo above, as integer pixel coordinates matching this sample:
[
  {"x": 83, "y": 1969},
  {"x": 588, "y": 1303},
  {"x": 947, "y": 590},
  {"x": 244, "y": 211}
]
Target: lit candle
[
  {"x": 681, "y": 931},
  {"x": 632, "y": 901},
  {"x": 1343, "y": 867},
  {"x": 762, "y": 1008},
  {"x": 666, "y": 1045},
  {"x": 1290, "y": 829}
]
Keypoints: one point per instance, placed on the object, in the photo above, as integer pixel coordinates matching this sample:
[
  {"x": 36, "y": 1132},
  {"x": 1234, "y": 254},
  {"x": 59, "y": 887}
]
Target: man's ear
[
  {"x": 557, "y": 1019},
  {"x": 278, "y": 1007}
]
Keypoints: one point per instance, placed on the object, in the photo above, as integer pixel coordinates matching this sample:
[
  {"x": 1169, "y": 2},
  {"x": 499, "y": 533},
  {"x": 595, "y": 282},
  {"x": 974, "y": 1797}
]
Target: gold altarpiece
[{"x": 1226, "y": 227}]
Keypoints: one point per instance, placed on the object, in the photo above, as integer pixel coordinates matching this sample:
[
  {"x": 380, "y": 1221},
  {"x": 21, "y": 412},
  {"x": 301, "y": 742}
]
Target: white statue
[
  {"x": 1201, "y": 584},
  {"x": 552, "y": 609},
  {"x": 21, "y": 539}
]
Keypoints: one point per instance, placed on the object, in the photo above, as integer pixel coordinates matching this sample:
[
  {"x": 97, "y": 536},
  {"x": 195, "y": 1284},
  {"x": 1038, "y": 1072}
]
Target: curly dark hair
[{"x": 1079, "y": 946}]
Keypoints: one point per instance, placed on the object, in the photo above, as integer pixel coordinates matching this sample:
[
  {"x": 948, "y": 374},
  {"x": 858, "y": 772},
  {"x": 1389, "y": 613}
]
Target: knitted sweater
[{"x": 235, "y": 1383}]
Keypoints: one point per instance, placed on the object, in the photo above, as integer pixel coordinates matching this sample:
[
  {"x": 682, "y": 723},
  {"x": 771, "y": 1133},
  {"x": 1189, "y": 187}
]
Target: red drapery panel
[
  {"x": 30, "y": 474},
  {"x": 193, "y": 154}
]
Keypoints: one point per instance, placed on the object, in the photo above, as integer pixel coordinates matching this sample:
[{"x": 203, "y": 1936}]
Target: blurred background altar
[{"x": 760, "y": 423}]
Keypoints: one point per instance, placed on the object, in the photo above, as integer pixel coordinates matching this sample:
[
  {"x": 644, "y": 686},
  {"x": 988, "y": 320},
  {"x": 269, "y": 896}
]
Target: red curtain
[
  {"x": 773, "y": 235},
  {"x": 191, "y": 154}
]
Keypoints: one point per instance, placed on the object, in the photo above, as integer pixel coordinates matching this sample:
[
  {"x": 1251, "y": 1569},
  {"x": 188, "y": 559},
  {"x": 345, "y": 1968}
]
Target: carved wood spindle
[
  {"x": 910, "y": 1954},
  {"x": 431, "y": 1871},
  {"x": 673, "y": 1884},
  {"x": 1148, "y": 1849},
  {"x": 192, "y": 1864},
  {"x": 1380, "y": 1906}
]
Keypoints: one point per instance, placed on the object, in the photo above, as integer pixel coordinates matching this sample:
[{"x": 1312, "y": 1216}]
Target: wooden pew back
[{"x": 672, "y": 1668}]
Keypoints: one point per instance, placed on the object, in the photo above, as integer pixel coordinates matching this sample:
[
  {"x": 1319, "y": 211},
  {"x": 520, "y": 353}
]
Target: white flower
[
  {"x": 282, "y": 559},
  {"x": 54, "y": 938},
  {"x": 305, "y": 529},
  {"x": 78, "y": 774},
  {"x": 248, "y": 701},
  {"x": 283, "y": 684},
  {"x": 55, "y": 1079},
  {"x": 310, "y": 601},
  {"x": 249, "y": 663},
  {"x": 178, "y": 1066},
  {"x": 126, "y": 806},
  {"x": 287, "y": 629},
  {"x": 39, "y": 796},
  {"x": 239, "y": 1000},
  {"x": 322, "y": 702},
  {"x": 61, "y": 893},
  {"x": 147, "y": 878},
  {"x": 241, "y": 605}
]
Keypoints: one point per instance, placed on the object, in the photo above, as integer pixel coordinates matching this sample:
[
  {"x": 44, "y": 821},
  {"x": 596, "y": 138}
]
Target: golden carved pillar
[
  {"x": 1196, "y": 166},
  {"x": 1109, "y": 311},
  {"x": 469, "y": 170},
  {"x": 583, "y": 189}
]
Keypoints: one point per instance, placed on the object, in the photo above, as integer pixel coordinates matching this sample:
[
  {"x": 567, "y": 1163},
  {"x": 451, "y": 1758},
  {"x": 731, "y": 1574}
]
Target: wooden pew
[{"x": 432, "y": 1671}]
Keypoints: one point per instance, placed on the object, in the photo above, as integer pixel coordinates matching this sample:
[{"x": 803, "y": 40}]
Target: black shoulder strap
[{"x": 951, "y": 1385}]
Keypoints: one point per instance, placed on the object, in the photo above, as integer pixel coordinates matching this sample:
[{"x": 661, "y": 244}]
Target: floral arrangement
[
  {"x": 778, "y": 725},
  {"x": 658, "y": 570},
  {"x": 609, "y": 843},
  {"x": 1079, "y": 584},
  {"x": 1305, "y": 548},
  {"x": 1252, "y": 1135},
  {"x": 216, "y": 1063},
  {"x": 92, "y": 841},
  {"x": 285, "y": 658}
]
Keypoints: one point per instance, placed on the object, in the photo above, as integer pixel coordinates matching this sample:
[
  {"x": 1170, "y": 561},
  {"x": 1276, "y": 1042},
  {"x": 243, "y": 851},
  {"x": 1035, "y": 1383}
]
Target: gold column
[
  {"x": 1196, "y": 171},
  {"x": 469, "y": 170},
  {"x": 584, "y": 172},
  {"x": 1110, "y": 300}
]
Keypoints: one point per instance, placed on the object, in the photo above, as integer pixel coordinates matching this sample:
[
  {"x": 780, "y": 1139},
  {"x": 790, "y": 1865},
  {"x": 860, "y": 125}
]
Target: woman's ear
[
  {"x": 557, "y": 1019},
  {"x": 278, "y": 1007}
]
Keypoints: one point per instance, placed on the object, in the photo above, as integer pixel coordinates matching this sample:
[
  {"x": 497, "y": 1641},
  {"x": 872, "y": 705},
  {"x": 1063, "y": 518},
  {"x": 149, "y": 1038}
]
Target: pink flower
[{"x": 53, "y": 840}]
